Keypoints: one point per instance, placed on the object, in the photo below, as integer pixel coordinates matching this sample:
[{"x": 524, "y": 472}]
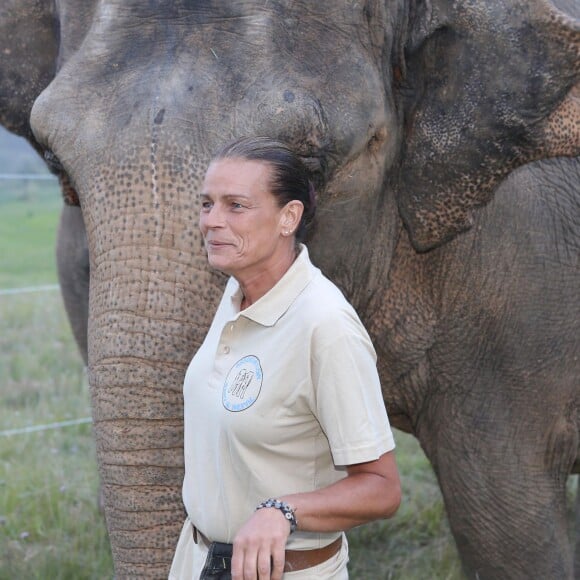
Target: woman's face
[{"x": 245, "y": 231}]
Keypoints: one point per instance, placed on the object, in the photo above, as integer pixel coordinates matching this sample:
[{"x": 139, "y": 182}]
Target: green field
[
  {"x": 28, "y": 220},
  {"x": 50, "y": 527}
]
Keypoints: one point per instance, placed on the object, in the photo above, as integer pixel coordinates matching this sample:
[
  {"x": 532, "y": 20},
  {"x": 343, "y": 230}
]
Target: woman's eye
[
  {"x": 236, "y": 205},
  {"x": 206, "y": 205}
]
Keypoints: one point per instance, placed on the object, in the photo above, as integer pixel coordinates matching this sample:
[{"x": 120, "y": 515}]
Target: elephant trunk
[
  {"x": 139, "y": 448},
  {"x": 147, "y": 273},
  {"x": 136, "y": 397},
  {"x": 137, "y": 358}
]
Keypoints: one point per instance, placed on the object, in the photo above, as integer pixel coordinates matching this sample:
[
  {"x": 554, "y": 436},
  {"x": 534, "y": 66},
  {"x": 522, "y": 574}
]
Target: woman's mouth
[{"x": 216, "y": 244}]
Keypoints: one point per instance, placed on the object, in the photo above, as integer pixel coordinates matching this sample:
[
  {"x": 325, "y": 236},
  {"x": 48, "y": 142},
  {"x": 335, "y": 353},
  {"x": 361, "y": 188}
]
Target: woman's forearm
[{"x": 371, "y": 491}]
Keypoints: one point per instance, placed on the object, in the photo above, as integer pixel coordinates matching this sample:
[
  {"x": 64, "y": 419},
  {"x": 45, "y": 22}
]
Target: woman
[{"x": 287, "y": 442}]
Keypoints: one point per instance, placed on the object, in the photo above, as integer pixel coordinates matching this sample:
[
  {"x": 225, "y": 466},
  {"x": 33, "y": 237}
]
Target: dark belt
[{"x": 295, "y": 559}]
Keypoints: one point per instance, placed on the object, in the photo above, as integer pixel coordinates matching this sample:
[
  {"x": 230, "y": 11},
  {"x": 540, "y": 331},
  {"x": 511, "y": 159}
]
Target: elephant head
[{"x": 407, "y": 113}]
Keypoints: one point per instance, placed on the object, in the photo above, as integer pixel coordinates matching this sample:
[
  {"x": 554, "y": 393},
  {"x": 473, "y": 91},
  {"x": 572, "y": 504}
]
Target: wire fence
[
  {"x": 28, "y": 289},
  {"x": 27, "y": 177},
  {"x": 47, "y": 427},
  {"x": 34, "y": 289},
  {"x": 27, "y": 187}
]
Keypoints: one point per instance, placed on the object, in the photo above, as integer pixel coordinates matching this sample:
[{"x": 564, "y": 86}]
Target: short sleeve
[{"x": 348, "y": 399}]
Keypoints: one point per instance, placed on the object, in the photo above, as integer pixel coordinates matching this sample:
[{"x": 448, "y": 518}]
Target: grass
[
  {"x": 28, "y": 222},
  {"x": 50, "y": 526}
]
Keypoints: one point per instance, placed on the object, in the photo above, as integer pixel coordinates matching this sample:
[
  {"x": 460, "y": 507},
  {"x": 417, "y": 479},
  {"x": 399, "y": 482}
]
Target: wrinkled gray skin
[
  {"x": 410, "y": 115},
  {"x": 72, "y": 260}
]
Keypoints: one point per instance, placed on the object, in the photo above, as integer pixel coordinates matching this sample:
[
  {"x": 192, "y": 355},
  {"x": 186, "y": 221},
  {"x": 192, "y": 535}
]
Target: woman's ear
[{"x": 291, "y": 216}]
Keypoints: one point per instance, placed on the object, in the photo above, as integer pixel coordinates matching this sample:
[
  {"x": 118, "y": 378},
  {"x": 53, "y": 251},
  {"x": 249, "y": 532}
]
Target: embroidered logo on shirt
[{"x": 242, "y": 385}]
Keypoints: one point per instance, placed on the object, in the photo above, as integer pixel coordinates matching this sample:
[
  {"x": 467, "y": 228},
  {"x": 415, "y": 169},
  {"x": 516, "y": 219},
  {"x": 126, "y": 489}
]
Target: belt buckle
[{"x": 218, "y": 564}]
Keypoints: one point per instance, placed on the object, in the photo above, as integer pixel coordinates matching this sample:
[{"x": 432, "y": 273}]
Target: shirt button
[{"x": 226, "y": 350}]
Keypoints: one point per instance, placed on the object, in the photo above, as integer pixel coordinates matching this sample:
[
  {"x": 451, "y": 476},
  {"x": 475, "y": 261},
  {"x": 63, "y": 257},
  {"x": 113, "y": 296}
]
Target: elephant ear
[
  {"x": 29, "y": 49},
  {"x": 36, "y": 39},
  {"x": 487, "y": 87}
]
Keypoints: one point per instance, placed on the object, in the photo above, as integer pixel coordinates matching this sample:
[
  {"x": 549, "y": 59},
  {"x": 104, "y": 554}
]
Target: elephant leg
[
  {"x": 72, "y": 259},
  {"x": 505, "y": 496}
]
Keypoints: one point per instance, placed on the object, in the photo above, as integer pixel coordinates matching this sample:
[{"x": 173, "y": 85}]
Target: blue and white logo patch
[{"x": 243, "y": 384}]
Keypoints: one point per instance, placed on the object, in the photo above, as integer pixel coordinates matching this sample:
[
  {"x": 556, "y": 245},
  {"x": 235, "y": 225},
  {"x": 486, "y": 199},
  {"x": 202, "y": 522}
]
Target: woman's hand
[
  {"x": 259, "y": 546},
  {"x": 371, "y": 491}
]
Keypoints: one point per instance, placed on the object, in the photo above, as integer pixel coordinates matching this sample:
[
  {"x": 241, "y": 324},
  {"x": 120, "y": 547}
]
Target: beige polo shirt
[{"x": 278, "y": 399}]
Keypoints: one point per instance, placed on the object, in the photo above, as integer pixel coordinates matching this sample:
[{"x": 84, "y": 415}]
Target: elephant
[
  {"x": 73, "y": 268},
  {"x": 442, "y": 137}
]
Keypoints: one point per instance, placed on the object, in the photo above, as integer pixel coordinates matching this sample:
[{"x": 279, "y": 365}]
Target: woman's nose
[{"x": 212, "y": 217}]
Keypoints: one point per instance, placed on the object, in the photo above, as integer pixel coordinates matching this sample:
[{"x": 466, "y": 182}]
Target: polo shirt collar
[{"x": 274, "y": 304}]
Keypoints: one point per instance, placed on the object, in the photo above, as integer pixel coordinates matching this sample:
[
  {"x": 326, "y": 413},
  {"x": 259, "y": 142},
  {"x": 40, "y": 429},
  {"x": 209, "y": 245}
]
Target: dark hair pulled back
[{"x": 289, "y": 174}]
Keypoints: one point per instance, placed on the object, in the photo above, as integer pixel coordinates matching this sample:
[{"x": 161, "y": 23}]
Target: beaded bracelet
[{"x": 284, "y": 508}]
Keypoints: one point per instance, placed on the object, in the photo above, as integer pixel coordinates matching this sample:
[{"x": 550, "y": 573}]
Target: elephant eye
[
  {"x": 317, "y": 166},
  {"x": 53, "y": 162}
]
